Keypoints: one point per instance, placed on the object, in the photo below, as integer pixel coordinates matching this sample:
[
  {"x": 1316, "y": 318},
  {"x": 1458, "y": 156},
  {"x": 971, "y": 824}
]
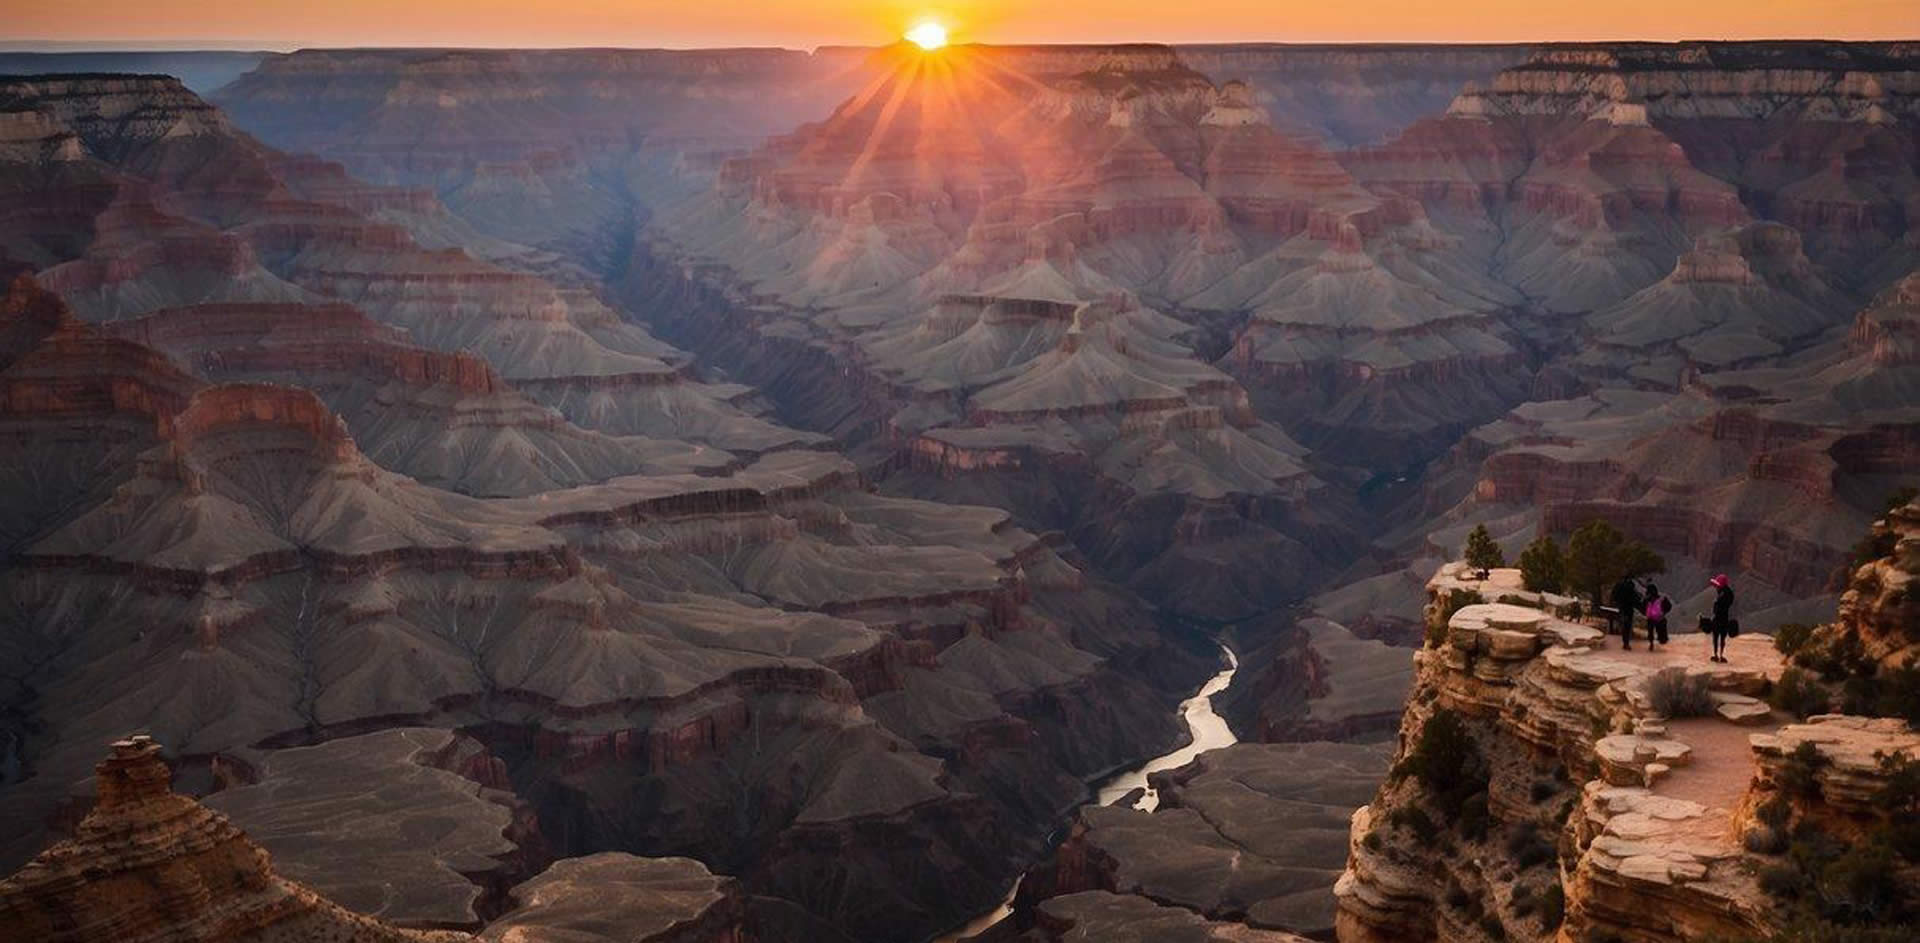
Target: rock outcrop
[
  {"x": 149, "y": 865},
  {"x": 1580, "y": 790}
]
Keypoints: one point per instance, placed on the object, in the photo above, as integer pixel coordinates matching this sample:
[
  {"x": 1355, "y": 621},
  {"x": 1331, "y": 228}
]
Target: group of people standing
[{"x": 1630, "y": 599}]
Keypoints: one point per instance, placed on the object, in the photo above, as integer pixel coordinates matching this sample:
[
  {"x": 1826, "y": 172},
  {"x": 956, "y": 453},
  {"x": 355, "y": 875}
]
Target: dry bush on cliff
[{"x": 1675, "y": 693}]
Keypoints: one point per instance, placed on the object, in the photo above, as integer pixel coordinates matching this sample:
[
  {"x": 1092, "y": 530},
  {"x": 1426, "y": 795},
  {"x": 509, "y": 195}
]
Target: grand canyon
[{"x": 992, "y": 492}]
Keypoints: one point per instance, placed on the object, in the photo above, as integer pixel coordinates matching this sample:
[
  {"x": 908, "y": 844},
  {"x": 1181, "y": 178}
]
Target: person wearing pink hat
[{"x": 1721, "y": 626}]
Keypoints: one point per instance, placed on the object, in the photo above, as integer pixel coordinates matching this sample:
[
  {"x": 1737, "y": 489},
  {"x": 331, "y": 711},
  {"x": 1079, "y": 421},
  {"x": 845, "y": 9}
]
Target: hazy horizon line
[{"x": 55, "y": 46}]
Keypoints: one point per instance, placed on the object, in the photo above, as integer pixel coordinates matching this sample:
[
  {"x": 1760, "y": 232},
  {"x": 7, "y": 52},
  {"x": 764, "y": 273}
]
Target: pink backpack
[{"x": 1657, "y": 607}]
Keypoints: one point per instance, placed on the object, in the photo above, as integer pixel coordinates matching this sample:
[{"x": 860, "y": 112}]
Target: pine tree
[
  {"x": 1543, "y": 568},
  {"x": 1599, "y": 556},
  {"x": 1483, "y": 553}
]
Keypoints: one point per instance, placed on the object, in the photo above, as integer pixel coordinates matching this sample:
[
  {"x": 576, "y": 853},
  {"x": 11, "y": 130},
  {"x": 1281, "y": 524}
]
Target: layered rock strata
[
  {"x": 149, "y": 865},
  {"x": 668, "y": 597},
  {"x": 1642, "y": 813}
]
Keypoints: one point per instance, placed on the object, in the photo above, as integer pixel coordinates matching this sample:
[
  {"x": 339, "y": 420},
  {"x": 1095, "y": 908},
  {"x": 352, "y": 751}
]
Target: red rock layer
[{"x": 149, "y": 866}]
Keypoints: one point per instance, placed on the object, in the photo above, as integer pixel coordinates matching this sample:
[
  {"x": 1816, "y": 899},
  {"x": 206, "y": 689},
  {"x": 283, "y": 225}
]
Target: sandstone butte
[{"x": 148, "y": 865}]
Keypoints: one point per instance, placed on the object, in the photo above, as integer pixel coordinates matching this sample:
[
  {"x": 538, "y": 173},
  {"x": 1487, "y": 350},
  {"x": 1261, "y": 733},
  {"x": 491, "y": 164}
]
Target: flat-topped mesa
[
  {"x": 1846, "y": 82},
  {"x": 1051, "y": 61},
  {"x": 114, "y": 112},
  {"x": 149, "y": 866}
]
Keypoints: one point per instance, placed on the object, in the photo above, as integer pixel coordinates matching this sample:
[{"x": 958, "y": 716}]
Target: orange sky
[{"x": 806, "y": 23}]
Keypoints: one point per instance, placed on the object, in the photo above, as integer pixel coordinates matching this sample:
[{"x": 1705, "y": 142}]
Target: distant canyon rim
[{"x": 826, "y": 466}]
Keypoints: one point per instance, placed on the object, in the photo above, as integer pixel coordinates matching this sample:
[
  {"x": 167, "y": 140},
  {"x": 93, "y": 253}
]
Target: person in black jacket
[
  {"x": 1721, "y": 625},
  {"x": 1626, "y": 598}
]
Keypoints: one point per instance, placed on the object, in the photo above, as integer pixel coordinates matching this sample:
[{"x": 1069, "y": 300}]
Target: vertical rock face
[
  {"x": 1881, "y": 607},
  {"x": 149, "y": 865},
  {"x": 1581, "y": 788}
]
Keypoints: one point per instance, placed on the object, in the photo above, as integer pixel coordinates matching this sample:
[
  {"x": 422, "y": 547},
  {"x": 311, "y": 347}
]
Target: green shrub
[
  {"x": 1792, "y": 637},
  {"x": 1543, "y": 568},
  {"x": 1490, "y": 925},
  {"x": 1416, "y": 820},
  {"x": 1842, "y": 658},
  {"x": 1542, "y": 790},
  {"x": 1775, "y": 812},
  {"x": 1473, "y": 820},
  {"x": 1864, "y": 689},
  {"x": 1765, "y": 840},
  {"x": 1799, "y": 695},
  {"x": 1835, "y": 888},
  {"x": 1523, "y": 901},
  {"x": 1860, "y": 886},
  {"x": 1372, "y": 841},
  {"x": 1528, "y": 847},
  {"x": 1820, "y": 931},
  {"x": 1675, "y": 693},
  {"x": 1898, "y": 693},
  {"x": 1553, "y": 906},
  {"x": 1800, "y": 774},
  {"x": 1901, "y": 794},
  {"x": 1784, "y": 881},
  {"x": 1445, "y": 757}
]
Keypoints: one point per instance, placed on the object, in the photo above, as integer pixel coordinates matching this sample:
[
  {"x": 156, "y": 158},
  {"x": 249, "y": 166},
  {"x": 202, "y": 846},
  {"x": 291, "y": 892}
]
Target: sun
[{"x": 928, "y": 35}]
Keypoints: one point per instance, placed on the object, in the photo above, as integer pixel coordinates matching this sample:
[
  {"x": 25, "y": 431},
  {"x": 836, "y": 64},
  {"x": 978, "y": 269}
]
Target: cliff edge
[{"x": 1549, "y": 786}]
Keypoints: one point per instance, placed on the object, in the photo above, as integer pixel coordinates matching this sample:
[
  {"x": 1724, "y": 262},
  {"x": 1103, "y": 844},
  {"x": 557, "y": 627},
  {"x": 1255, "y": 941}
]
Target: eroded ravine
[{"x": 1206, "y": 730}]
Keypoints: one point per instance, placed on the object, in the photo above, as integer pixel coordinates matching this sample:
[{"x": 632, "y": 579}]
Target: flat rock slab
[
  {"x": 363, "y": 821},
  {"x": 1100, "y": 917},
  {"x": 619, "y": 898},
  {"x": 1746, "y": 712}
]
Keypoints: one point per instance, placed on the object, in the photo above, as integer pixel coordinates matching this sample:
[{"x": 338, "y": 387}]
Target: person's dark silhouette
[
  {"x": 1626, "y": 599},
  {"x": 1658, "y": 608},
  {"x": 1721, "y": 625}
]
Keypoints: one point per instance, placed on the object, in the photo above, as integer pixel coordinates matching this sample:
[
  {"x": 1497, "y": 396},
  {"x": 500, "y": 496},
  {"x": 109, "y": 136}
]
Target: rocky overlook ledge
[{"x": 1542, "y": 791}]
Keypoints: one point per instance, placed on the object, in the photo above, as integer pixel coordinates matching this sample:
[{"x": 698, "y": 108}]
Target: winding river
[{"x": 1208, "y": 731}]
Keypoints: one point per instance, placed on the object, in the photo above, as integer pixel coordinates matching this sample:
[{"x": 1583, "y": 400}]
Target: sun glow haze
[
  {"x": 928, "y": 35},
  {"x": 803, "y": 24}
]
